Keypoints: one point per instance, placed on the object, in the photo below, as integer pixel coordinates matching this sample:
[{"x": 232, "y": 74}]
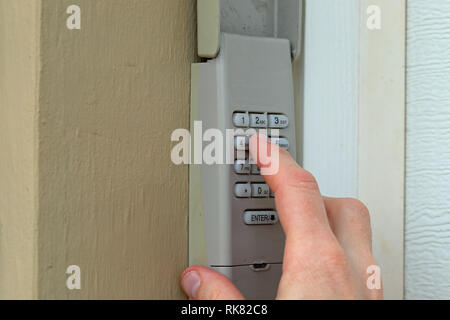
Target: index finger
[{"x": 300, "y": 205}]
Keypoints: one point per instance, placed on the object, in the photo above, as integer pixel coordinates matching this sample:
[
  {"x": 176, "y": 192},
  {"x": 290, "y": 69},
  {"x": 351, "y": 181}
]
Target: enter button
[{"x": 260, "y": 217}]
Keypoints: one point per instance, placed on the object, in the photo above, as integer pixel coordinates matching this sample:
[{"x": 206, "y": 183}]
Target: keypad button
[
  {"x": 242, "y": 167},
  {"x": 241, "y": 143},
  {"x": 241, "y": 119},
  {"x": 258, "y": 120},
  {"x": 281, "y": 142},
  {"x": 260, "y": 217},
  {"x": 278, "y": 121},
  {"x": 260, "y": 190},
  {"x": 255, "y": 170},
  {"x": 241, "y": 155},
  {"x": 242, "y": 190},
  {"x": 272, "y": 195}
]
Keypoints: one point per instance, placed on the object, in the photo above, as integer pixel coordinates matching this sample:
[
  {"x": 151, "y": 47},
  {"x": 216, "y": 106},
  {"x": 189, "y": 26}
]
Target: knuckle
[
  {"x": 334, "y": 258},
  {"x": 334, "y": 266},
  {"x": 302, "y": 179},
  {"x": 356, "y": 206},
  {"x": 284, "y": 152}
]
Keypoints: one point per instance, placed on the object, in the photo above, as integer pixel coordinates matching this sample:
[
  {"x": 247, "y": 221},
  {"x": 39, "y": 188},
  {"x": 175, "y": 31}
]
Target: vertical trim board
[{"x": 382, "y": 137}]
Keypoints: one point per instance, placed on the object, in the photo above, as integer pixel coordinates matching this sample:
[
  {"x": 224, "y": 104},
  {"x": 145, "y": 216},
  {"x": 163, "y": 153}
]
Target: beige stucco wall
[
  {"x": 96, "y": 146},
  {"x": 18, "y": 140}
]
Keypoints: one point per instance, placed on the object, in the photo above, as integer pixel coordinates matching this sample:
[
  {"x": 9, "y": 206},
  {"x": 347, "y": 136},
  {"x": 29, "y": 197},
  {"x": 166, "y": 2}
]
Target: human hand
[{"x": 328, "y": 242}]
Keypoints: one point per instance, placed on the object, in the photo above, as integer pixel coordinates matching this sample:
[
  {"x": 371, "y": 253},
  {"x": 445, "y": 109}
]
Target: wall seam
[{"x": 37, "y": 77}]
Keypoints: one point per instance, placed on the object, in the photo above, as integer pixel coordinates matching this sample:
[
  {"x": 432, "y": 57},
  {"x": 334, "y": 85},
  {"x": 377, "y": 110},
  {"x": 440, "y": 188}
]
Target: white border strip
[
  {"x": 330, "y": 95},
  {"x": 382, "y": 136}
]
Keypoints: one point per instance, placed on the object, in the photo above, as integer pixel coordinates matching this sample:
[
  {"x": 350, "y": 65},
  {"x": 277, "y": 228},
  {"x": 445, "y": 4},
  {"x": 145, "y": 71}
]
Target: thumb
[{"x": 201, "y": 283}]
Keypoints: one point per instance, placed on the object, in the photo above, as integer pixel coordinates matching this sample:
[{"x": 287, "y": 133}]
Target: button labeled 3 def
[{"x": 278, "y": 121}]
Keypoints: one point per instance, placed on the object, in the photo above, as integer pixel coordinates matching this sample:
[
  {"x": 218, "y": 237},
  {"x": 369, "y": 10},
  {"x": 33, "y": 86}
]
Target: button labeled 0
[{"x": 260, "y": 190}]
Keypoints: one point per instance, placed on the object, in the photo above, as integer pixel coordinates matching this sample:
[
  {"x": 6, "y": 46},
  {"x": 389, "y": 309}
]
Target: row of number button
[
  {"x": 244, "y": 167},
  {"x": 241, "y": 143},
  {"x": 260, "y": 120},
  {"x": 252, "y": 190}
]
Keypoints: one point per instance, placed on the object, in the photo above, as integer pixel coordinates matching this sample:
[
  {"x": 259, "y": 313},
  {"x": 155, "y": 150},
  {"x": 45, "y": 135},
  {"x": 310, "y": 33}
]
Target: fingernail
[{"x": 191, "y": 283}]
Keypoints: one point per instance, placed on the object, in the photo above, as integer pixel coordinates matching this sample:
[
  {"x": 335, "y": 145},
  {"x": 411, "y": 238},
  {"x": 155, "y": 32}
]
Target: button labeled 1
[{"x": 241, "y": 119}]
